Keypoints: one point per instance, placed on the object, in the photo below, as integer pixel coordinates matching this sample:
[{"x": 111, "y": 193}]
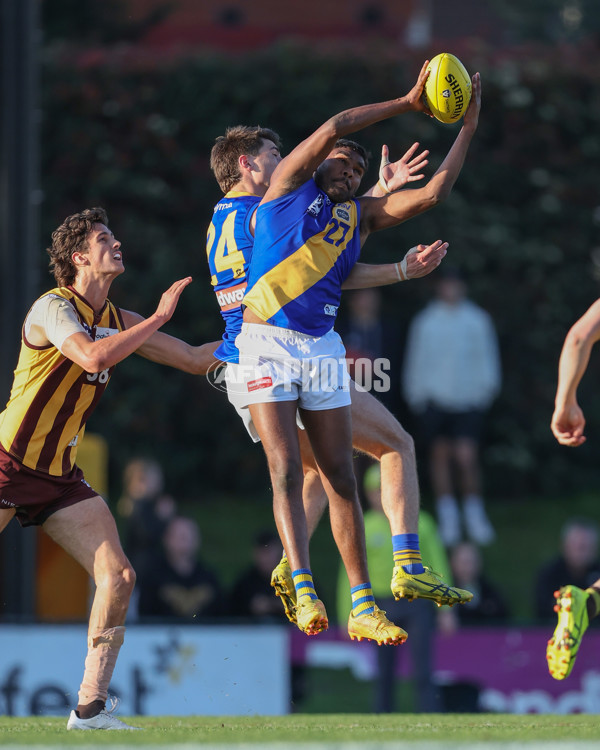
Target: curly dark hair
[
  {"x": 354, "y": 146},
  {"x": 238, "y": 140},
  {"x": 71, "y": 237}
]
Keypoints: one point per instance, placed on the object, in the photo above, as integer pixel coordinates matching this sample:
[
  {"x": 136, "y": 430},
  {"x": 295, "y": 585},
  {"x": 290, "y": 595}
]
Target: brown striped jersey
[{"x": 52, "y": 398}]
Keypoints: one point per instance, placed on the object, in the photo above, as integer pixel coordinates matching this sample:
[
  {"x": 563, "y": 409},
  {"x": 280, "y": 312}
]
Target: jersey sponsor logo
[
  {"x": 315, "y": 207},
  {"x": 330, "y": 310},
  {"x": 232, "y": 297},
  {"x": 104, "y": 333},
  {"x": 222, "y": 207},
  {"x": 341, "y": 213},
  {"x": 73, "y": 442},
  {"x": 7, "y": 503},
  {"x": 255, "y": 385}
]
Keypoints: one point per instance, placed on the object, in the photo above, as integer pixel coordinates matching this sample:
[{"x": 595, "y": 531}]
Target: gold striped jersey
[
  {"x": 304, "y": 248},
  {"x": 52, "y": 398}
]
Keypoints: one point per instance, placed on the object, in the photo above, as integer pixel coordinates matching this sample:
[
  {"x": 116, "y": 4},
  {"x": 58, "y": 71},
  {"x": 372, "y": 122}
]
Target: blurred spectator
[
  {"x": 145, "y": 509},
  {"x": 420, "y": 618},
  {"x": 367, "y": 336},
  {"x": 488, "y": 604},
  {"x": 451, "y": 376},
  {"x": 577, "y": 564},
  {"x": 252, "y": 595},
  {"x": 176, "y": 584}
]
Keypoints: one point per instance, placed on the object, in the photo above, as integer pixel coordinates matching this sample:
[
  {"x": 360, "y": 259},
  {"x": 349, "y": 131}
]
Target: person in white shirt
[{"x": 451, "y": 375}]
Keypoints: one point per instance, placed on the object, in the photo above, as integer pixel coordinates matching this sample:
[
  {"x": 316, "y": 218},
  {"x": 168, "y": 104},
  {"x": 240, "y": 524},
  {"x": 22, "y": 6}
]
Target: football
[{"x": 448, "y": 88}]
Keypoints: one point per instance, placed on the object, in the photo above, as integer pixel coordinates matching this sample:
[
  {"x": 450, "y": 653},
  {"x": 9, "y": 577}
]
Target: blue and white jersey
[
  {"x": 229, "y": 245},
  {"x": 304, "y": 248}
]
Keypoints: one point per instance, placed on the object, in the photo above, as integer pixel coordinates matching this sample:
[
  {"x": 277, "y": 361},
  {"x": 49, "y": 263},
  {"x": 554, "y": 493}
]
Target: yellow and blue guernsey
[
  {"x": 229, "y": 249},
  {"x": 304, "y": 248}
]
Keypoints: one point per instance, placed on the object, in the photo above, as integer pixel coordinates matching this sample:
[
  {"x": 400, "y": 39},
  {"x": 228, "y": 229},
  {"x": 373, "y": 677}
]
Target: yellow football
[{"x": 448, "y": 88}]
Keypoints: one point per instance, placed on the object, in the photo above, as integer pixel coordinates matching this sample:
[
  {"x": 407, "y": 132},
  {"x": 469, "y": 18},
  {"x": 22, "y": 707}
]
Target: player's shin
[{"x": 103, "y": 650}]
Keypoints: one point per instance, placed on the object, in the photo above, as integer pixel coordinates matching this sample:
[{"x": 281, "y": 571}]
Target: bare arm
[
  {"x": 171, "y": 351},
  {"x": 568, "y": 421},
  {"x": 381, "y": 213},
  {"x": 95, "y": 356},
  {"x": 419, "y": 261},
  {"x": 300, "y": 164}
]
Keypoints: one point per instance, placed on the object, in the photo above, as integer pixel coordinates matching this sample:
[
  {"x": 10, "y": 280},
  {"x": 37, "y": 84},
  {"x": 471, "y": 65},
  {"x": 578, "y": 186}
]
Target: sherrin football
[{"x": 448, "y": 88}]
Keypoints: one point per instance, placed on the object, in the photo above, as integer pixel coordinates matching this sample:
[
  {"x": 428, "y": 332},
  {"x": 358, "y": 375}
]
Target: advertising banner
[
  {"x": 161, "y": 670},
  {"x": 505, "y": 668}
]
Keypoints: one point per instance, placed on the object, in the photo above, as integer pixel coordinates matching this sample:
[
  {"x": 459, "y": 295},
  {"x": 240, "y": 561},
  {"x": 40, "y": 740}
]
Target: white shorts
[
  {"x": 232, "y": 377},
  {"x": 277, "y": 364}
]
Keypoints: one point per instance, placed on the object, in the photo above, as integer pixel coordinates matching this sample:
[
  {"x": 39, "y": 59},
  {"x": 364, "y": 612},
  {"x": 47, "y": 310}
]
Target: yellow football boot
[
  {"x": 375, "y": 627},
  {"x": 426, "y": 585},
  {"x": 283, "y": 583},
  {"x": 311, "y": 616},
  {"x": 572, "y": 623}
]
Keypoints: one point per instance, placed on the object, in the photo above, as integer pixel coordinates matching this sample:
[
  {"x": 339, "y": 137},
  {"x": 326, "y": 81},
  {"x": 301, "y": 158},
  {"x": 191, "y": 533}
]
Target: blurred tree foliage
[
  {"x": 96, "y": 21},
  {"x": 547, "y": 20},
  {"x": 522, "y": 222}
]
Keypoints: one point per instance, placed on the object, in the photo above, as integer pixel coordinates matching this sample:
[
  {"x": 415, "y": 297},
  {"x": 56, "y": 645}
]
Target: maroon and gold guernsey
[{"x": 52, "y": 398}]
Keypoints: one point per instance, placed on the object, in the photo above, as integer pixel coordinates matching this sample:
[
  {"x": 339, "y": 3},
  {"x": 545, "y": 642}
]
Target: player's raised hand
[
  {"x": 423, "y": 259},
  {"x": 415, "y": 96},
  {"x": 568, "y": 424},
  {"x": 395, "y": 175},
  {"x": 168, "y": 302},
  {"x": 472, "y": 114}
]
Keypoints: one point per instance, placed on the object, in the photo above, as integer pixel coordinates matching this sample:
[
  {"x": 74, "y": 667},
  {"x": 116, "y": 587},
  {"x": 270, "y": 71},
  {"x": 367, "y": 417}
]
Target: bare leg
[
  {"x": 477, "y": 523},
  {"x": 276, "y": 426},
  {"x": 440, "y": 467},
  {"x": 466, "y": 456},
  {"x": 87, "y": 531},
  {"x": 6, "y": 516},
  {"x": 440, "y": 470},
  {"x": 314, "y": 496},
  {"x": 378, "y": 433},
  {"x": 330, "y": 436}
]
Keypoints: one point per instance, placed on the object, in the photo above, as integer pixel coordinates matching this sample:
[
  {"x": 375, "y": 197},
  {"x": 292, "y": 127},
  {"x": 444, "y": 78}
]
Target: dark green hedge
[{"x": 522, "y": 222}]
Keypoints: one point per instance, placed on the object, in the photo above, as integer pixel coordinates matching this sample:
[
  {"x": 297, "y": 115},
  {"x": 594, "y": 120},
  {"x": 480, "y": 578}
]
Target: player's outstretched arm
[
  {"x": 300, "y": 163},
  {"x": 382, "y": 213},
  {"x": 418, "y": 261},
  {"x": 95, "y": 356},
  {"x": 395, "y": 175},
  {"x": 568, "y": 422},
  {"x": 169, "y": 350}
]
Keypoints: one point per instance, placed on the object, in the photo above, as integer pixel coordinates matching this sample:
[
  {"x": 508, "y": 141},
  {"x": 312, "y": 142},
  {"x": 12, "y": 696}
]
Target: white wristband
[
  {"x": 403, "y": 264},
  {"x": 382, "y": 181},
  {"x": 401, "y": 270},
  {"x": 383, "y": 186}
]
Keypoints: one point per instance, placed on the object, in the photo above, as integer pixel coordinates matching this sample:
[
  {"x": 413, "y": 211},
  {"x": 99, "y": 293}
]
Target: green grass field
[{"x": 333, "y": 730}]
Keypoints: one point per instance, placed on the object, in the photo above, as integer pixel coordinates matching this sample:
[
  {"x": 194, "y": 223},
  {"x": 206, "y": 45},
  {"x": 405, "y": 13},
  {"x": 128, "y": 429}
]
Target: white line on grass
[{"x": 425, "y": 745}]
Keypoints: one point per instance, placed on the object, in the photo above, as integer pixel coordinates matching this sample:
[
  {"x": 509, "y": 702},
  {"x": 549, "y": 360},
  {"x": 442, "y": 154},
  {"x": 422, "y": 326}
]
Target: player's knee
[
  {"x": 129, "y": 577},
  {"x": 397, "y": 441},
  {"x": 119, "y": 582},
  {"x": 286, "y": 477},
  {"x": 343, "y": 482}
]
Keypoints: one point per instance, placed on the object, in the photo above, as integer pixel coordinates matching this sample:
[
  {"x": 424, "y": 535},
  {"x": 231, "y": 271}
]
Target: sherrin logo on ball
[{"x": 448, "y": 88}]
